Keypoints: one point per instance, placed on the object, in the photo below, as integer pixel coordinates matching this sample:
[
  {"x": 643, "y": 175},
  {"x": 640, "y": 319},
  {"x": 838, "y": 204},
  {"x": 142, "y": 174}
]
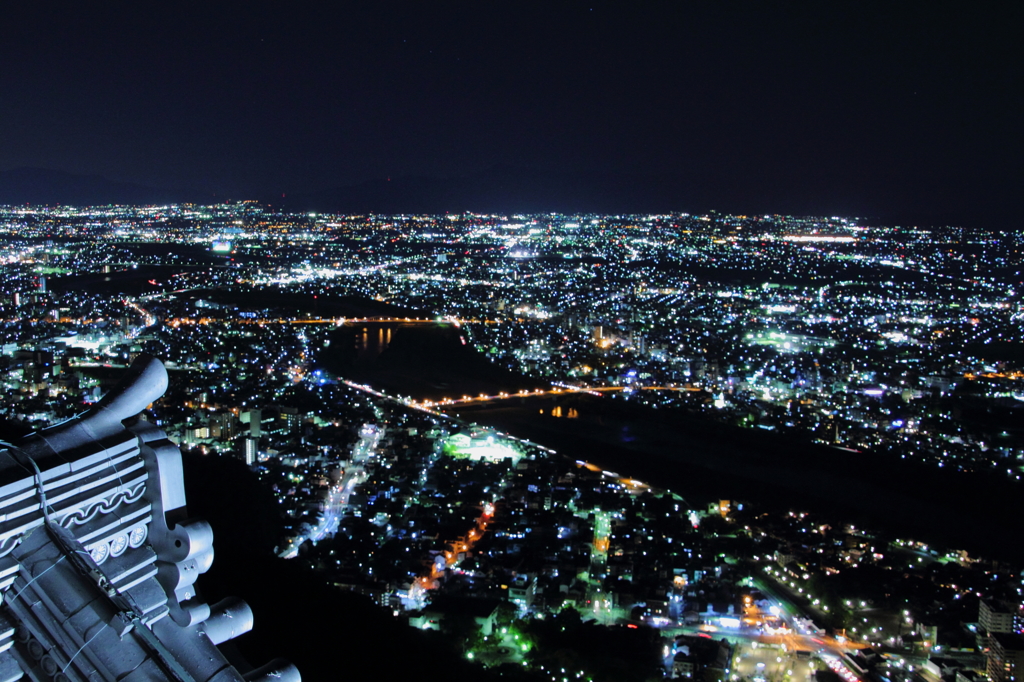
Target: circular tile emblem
[
  {"x": 118, "y": 545},
  {"x": 99, "y": 552},
  {"x": 137, "y": 536}
]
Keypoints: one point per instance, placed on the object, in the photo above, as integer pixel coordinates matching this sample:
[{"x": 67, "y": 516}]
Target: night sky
[{"x": 847, "y": 108}]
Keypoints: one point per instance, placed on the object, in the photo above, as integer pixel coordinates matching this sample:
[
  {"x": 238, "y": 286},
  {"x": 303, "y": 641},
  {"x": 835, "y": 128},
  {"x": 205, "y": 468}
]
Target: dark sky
[{"x": 897, "y": 108}]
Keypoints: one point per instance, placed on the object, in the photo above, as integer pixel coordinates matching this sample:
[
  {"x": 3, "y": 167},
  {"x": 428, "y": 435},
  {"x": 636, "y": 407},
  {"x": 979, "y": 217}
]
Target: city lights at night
[{"x": 538, "y": 342}]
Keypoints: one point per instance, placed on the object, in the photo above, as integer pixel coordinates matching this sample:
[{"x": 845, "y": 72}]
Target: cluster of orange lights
[
  {"x": 483, "y": 397},
  {"x": 1016, "y": 376},
  {"x": 463, "y": 544}
]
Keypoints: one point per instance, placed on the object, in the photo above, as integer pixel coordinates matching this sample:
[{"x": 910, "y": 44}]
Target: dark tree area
[
  {"x": 330, "y": 634},
  {"x": 618, "y": 653},
  {"x": 327, "y": 633}
]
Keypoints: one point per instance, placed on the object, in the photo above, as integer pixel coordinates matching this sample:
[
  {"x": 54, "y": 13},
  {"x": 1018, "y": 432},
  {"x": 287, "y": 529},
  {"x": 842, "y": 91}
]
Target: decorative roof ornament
[{"x": 98, "y": 560}]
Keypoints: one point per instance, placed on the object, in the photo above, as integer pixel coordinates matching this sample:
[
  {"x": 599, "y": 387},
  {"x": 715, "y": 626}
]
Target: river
[{"x": 705, "y": 461}]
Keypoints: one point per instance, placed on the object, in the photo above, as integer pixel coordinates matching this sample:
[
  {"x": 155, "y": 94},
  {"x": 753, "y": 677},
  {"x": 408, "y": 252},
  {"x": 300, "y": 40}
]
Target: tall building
[
  {"x": 993, "y": 617},
  {"x": 98, "y": 560},
  {"x": 1005, "y": 657},
  {"x": 254, "y": 418},
  {"x": 252, "y": 450}
]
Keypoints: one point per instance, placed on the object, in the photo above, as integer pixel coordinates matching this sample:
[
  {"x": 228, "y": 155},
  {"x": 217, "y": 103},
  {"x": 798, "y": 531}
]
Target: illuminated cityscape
[
  {"x": 581, "y": 446},
  {"x": 512, "y": 341}
]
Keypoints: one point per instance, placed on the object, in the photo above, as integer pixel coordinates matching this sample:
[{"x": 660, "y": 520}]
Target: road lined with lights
[
  {"x": 592, "y": 390},
  {"x": 338, "y": 496},
  {"x": 336, "y": 321}
]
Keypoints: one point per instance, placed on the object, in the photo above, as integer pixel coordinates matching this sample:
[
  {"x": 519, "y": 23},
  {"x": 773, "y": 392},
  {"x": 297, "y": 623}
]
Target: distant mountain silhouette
[
  {"x": 42, "y": 186},
  {"x": 504, "y": 189},
  {"x": 511, "y": 189}
]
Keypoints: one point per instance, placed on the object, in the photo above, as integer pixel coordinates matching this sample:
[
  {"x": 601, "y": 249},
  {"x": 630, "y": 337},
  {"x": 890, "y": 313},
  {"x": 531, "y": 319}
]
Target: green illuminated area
[
  {"x": 479, "y": 445},
  {"x": 788, "y": 343}
]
